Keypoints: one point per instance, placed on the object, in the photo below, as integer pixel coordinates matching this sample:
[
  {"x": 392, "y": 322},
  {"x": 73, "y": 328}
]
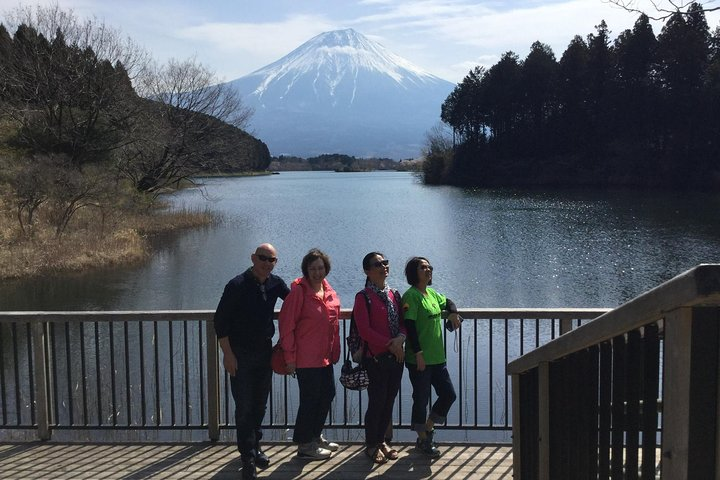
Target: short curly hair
[{"x": 313, "y": 255}]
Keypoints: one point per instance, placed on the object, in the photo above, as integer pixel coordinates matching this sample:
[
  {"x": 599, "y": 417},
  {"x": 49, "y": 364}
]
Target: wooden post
[
  {"x": 690, "y": 393},
  {"x": 565, "y": 325},
  {"x": 516, "y": 428},
  {"x": 717, "y": 424},
  {"x": 544, "y": 420},
  {"x": 42, "y": 394},
  {"x": 213, "y": 379}
]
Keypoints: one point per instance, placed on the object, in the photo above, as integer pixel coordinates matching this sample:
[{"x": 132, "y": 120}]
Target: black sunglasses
[
  {"x": 265, "y": 258},
  {"x": 380, "y": 263},
  {"x": 426, "y": 267}
]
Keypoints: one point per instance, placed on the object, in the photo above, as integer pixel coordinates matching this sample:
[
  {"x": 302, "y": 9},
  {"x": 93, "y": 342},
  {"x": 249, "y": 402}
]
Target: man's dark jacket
[{"x": 245, "y": 311}]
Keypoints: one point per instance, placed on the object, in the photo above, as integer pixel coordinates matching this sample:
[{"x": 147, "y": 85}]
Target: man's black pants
[{"x": 250, "y": 390}]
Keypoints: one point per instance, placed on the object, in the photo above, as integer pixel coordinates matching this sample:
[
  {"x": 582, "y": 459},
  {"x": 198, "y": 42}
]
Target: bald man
[{"x": 244, "y": 327}]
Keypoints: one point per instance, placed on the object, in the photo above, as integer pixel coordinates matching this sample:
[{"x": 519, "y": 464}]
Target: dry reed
[{"x": 94, "y": 238}]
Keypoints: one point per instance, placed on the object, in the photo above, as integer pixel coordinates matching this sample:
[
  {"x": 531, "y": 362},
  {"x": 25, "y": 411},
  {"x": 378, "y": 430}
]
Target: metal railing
[
  {"x": 599, "y": 401},
  {"x": 161, "y": 371}
]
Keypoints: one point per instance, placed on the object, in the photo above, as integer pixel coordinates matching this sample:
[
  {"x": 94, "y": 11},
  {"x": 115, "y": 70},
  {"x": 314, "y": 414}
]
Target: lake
[{"x": 489, "y": 247}]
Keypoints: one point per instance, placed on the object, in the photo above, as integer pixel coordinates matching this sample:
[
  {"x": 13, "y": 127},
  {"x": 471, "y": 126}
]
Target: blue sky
[{"x": 445, "y": 37}]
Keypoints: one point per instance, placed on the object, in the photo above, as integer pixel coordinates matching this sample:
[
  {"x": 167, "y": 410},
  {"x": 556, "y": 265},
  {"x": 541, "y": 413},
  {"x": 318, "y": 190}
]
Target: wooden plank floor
[{"x": 51, "y": 460}]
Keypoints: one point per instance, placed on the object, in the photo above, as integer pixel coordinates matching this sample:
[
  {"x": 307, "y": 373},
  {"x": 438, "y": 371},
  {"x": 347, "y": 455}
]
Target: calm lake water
[{"x": 490, "y": 248}]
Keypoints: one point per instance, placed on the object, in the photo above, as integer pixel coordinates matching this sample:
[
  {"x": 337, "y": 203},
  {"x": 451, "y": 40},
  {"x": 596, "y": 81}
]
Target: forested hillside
[
  {"x": 63, "y": 99},
  {"x": 643, "y": 110},
  {"x": 92, "y": 131}
]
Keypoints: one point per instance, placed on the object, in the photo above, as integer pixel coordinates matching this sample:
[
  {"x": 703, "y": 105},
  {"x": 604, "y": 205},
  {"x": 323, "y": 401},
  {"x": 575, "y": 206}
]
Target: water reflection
[{"x": 491, "y": 248}]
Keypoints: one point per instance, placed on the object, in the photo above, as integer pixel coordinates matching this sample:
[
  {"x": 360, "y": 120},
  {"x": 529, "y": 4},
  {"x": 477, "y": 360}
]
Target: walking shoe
[
  {"x": 323, "y": 443},
  {"x": 248, "y": 469},
  {"x": 427, "y": 448},
  {"x": 431, "y": 436},
  {"x": 311, "y": 451},
  {"x": 261, "y": 460}
]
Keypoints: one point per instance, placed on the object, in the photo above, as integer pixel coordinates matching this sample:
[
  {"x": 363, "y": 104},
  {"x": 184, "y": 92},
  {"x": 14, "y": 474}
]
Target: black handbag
[{"x": 354, "y": 378}]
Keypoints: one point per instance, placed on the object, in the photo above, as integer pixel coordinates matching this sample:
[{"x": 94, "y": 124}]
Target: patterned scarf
[{"x": 393, "y": 319}]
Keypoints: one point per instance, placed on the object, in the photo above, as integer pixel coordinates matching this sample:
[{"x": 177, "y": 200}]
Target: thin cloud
[
  {"x": 472, "y": 34},
  {"x": 275, "y": 38},
  {"x": 444, "y": 37}
]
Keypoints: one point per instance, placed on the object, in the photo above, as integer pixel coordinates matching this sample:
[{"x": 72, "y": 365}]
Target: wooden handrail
[
  {"x": 661, "y": 349},
  {"x": 697, "y": 286}
]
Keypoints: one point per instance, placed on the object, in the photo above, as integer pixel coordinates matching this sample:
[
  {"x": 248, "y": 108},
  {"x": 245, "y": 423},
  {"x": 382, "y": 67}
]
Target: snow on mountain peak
[
  {"x": 342, "y": 92},
  {"x": 334, "y": 55}
]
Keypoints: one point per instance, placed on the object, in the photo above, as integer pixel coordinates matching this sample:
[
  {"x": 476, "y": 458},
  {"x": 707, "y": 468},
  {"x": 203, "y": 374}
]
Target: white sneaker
[
  {"x": 323, "y": 443},
  {"x": 312, "y": 451}
]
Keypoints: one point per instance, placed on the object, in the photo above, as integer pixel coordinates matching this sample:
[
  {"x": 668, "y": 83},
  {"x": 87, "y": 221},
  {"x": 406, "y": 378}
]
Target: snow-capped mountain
[{"x": 343, "y": 93}]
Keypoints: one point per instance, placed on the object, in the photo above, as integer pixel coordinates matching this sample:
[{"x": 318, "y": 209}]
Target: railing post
[
  {"x": 565, "y": 325},
  {"x": 517, "y": 419},
  {"x": 691, "y": 368},
  {"x": 213, "y": 379},
  {"x": 544, "y": 420},
  {"x": 42, "y": 394}
]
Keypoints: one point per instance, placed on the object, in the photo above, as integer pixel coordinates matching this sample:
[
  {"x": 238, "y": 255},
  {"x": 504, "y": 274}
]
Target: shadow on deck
[{"x": 221, "y": 461}]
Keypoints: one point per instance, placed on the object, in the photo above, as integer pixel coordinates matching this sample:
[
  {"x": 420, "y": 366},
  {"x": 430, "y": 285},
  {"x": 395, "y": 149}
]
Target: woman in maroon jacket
[{"x": 378, "y": 315}]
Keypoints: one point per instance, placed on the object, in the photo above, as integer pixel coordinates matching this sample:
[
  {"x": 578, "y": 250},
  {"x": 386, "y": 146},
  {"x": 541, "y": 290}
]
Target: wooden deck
[{"x": 53, "y": 460}]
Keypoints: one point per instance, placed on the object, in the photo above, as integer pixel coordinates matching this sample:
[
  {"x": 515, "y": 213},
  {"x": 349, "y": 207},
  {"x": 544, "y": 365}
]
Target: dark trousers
[
  {"x": 437, "y": 377},
  {"x": 385, "y": 375},
  {"x": 250, "y": 389},
  {"x": 317, "y": 391}
]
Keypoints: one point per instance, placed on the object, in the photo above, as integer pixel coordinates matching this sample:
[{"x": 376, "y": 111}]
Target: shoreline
[{"x": 123, "y": 243}]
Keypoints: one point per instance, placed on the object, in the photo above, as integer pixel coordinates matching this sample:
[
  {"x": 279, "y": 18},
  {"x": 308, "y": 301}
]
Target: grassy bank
[{"x": 95, "y": 238}]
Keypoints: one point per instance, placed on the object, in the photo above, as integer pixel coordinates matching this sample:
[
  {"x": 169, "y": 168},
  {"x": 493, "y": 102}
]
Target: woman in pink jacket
[
  {"x": 310, "y": 338},
  {"x": 379, "y": 317}
]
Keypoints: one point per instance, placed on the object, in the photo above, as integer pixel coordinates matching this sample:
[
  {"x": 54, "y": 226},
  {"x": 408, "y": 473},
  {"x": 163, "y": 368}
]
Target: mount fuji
[{"x": 343, "y": 93}]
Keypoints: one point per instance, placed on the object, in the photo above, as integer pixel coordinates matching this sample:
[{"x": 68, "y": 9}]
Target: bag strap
[
  {"x": 302, "y": 298},
  {"x": 367, "y": 307},
  {"x": 352, "y": 323}
]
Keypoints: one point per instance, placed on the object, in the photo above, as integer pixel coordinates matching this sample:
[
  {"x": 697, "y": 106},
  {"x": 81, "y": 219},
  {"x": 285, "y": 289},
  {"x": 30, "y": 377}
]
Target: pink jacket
[
  {"x": 309, "y": 326},
  {"x": 375, "y": 327}
]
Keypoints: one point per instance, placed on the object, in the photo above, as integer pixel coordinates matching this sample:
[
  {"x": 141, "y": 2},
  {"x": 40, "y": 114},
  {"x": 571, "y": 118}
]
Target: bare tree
[
  {"x": 60, "y": 187},
  {"x": 438, "y": 153},
  {"x": 438, "y": 139},
  {"x": 190, "y": 87},
  {"x": 191, "y": 119},
  {"x": 30, "y": 191},
  {"x": 72, "y": 189},
  {"x": 663, "y": 8}
]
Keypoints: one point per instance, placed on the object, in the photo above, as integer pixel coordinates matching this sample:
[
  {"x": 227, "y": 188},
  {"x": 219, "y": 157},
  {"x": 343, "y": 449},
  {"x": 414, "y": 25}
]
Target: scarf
[{"x": 393, "y": 318}]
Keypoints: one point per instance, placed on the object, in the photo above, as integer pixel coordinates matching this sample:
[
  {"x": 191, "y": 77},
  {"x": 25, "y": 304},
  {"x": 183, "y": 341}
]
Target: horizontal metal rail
[{"x": 161, "y": 371}]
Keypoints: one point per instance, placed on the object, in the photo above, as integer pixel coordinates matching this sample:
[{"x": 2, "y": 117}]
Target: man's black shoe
[
  {"x": 248, "y": 469},
  {"x": 261, "y": 460}
]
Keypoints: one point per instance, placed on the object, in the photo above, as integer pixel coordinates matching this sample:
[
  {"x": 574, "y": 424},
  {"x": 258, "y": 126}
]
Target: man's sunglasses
[
  {"x": 265, "y": 258},
  {"x": 381, "y": 263}
]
